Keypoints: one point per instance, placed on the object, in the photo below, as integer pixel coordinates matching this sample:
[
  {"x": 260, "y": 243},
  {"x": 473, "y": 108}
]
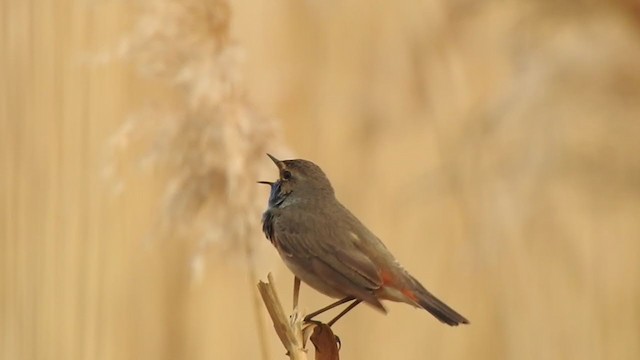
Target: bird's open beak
[{"x": 279, "y": 164}]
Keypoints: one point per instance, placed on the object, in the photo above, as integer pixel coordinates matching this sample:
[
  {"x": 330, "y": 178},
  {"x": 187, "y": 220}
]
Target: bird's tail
[{"x": 436, "y": 307}]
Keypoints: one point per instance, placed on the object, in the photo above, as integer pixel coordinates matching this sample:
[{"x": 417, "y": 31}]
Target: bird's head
[{"x": 301, "y": 179}]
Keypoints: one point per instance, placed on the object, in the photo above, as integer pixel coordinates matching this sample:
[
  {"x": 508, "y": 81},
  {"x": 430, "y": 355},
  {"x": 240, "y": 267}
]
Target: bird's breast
[{"x": 268, "y": 219}]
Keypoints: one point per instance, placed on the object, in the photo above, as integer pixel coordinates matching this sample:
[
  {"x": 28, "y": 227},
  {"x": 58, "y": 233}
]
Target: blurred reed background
[{"x": 492, "y": 145}]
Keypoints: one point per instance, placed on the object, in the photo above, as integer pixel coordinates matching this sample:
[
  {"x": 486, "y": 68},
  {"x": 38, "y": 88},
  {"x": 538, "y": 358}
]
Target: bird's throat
[{"x": 277, "y": 196}]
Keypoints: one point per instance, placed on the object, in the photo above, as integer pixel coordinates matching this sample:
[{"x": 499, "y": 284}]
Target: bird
[{"x": 329, "y": 249}]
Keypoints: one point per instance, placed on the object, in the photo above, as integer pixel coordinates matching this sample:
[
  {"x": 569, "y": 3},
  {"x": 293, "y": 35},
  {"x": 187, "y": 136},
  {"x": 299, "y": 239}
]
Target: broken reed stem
[{"x": 290, "y": 335}]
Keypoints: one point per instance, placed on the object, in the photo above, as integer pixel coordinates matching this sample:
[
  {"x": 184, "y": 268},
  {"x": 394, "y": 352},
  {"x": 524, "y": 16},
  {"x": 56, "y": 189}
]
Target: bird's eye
[{"x": 286, "y": 175}]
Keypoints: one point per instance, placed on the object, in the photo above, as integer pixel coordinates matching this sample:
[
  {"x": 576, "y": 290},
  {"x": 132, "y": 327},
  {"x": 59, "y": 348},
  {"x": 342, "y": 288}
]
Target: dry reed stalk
[
  {"x": 293, "y": 332},
  {"x": 290, "y": 333}
]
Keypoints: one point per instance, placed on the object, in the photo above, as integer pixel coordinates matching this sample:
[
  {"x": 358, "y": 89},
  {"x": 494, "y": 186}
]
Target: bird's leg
[
  {"x": 328, "y": 307},
  {"x": 296, "y": 292},
  {"x": 344, "y": 312}
]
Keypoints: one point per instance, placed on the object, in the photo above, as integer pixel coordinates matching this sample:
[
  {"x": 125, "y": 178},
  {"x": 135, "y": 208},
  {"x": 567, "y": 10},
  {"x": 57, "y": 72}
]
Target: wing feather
[{"x": 329, "y": 251}]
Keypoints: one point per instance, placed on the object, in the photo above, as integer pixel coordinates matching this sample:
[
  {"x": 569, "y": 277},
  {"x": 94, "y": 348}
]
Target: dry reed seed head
[
  {"x": 210, "y": 142},
  {"x": 187, "y": 43}
]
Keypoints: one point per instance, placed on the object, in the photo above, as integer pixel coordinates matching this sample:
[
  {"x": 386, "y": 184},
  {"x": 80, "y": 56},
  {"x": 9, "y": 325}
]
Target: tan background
[{"x": 493, "y": 146}]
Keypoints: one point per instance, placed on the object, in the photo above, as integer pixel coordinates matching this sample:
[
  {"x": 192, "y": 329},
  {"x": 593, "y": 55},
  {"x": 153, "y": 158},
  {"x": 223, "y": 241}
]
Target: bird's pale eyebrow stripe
[{"x": 353, "y": 235}]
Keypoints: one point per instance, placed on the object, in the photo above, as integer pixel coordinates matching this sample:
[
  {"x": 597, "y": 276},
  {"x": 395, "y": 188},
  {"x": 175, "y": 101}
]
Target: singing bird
[{"x": 329, "y": 249}]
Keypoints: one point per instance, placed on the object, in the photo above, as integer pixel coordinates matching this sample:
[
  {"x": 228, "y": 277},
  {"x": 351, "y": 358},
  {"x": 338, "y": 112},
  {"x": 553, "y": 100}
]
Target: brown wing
[{"x": 328, "y": 251}]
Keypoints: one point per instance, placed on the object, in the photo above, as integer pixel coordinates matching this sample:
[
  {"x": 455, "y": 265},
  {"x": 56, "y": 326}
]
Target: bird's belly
[{"x": 302, "y": 270}]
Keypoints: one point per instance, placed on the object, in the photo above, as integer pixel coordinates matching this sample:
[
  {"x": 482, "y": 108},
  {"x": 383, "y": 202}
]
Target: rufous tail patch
[
  {"x": 410, "y": 294},
  {"x": 387, "y": 278}
]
